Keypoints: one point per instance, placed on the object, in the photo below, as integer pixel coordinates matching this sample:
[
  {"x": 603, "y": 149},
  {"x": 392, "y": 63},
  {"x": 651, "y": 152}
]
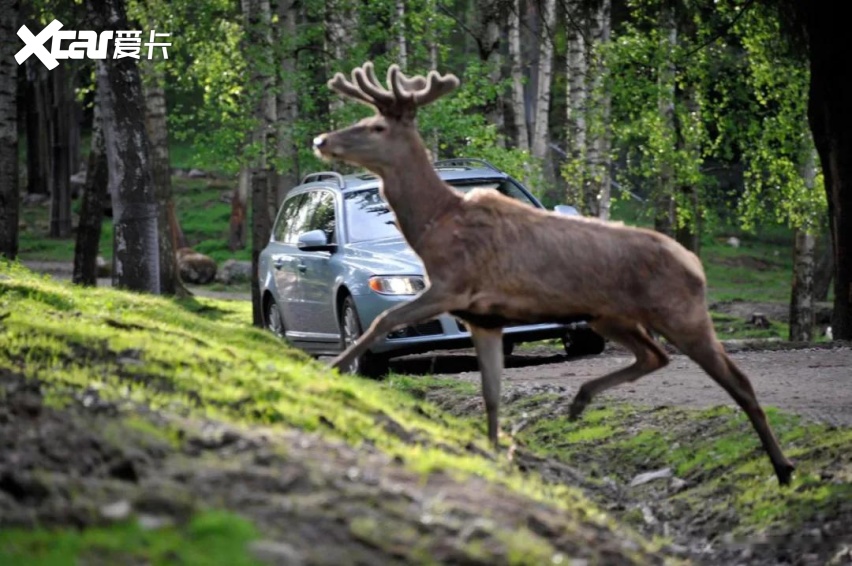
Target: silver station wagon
[{"x": 336, "y": 260}]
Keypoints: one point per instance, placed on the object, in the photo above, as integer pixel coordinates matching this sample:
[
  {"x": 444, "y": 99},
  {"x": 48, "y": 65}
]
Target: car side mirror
[
  {"x": 566, "y": 209},
  {"x": 315, "y": 241}
]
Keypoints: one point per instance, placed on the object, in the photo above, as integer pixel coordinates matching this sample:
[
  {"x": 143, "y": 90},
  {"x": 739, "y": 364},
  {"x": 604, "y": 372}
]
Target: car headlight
[{"x": 397, "y": 284}]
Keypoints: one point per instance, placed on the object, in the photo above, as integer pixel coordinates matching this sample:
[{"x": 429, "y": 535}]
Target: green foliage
[
  {"x": 210, "y": 538},
  {"x": 202, "y": 213},
  {"x": 777, "y": 143}
]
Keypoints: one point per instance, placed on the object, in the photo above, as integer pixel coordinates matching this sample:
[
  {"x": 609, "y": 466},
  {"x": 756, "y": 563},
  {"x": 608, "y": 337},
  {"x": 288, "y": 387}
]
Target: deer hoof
[
  {"x": 785, "y": 473},
  {"x": 578, "y": 405}
]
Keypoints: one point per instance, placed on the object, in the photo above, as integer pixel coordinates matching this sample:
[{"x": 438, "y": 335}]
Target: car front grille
[{"x": 430, "y": 328}]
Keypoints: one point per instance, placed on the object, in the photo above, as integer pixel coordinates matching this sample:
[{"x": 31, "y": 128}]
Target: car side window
[
  {"x": 301, "y": 218},
  {"x": 324, "y": 217},
  {"x": 286, "y": 217}
]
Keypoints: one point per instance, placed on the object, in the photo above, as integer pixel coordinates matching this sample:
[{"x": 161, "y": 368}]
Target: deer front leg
[
  {"x": 489, "y": 352},
  {"x": 428, "y": 304}
]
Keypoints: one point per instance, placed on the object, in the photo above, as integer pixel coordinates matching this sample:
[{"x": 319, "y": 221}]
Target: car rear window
[{"x": 368, "y": 216}]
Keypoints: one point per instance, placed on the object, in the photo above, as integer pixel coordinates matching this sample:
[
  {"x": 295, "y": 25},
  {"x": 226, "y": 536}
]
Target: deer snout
[{"x": 321, "y": 149}]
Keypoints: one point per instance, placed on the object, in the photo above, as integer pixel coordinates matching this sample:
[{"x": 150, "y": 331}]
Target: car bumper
[{"x": 444, "y": 332}]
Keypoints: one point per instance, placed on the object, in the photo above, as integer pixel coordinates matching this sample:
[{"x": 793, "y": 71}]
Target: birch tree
[
  {"x": 664, "y": 198},
  {"x": 539, "y": 142},
  {"x": 171, "y": 236},
  {"x": 782, "y": 179},
  {"x": 399, "y": 25},
  {"x": 134, "y": 205},
  {"x": 597, "y": 180},
  {"x": 258, "y": 45},
  {"x": 95, "y": 195},
  {"x": 286, "y": 98},
  {"x": 577, "y": 73},
  {"x": 518, "y": 77}
]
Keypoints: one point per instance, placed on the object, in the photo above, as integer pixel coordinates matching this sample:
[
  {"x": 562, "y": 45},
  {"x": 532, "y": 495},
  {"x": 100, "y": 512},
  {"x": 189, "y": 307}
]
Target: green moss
[
  {"x": 718, "y": 453},
  {"x": 212, "y": 538},
  {"x": 201, "y": 358}
]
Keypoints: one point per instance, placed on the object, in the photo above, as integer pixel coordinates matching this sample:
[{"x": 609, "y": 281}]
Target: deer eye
[{"x": 378, "y": 128}]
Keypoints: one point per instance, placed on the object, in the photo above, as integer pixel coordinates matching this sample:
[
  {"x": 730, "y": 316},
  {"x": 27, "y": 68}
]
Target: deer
[{"x": 492, "y": 261}]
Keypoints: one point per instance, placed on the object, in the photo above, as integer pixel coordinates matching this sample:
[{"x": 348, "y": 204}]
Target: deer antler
[{"x": 404, "y": 95}]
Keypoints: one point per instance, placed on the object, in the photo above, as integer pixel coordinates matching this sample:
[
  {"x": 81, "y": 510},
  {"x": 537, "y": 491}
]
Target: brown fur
[{"x": 492, "y": 260}]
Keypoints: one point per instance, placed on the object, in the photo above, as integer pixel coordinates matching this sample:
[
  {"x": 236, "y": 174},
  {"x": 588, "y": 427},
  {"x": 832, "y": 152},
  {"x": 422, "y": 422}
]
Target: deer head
[{"x": 388, "y": 138}]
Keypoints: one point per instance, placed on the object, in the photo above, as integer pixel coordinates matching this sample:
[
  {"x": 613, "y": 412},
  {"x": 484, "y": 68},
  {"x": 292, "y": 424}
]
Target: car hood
[{"x": 390, "y": 255}]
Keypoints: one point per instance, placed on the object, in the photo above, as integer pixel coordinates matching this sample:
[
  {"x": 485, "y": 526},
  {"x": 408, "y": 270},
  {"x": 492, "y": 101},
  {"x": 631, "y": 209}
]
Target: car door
[
  {"x": 317, "y": 271},
  {"x": 284, "y": 260}
]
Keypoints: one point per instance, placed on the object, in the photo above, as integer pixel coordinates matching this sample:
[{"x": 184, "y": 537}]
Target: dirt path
[
  {"x": 63, "y": 270},
  {"x": 815, "y": 382}
]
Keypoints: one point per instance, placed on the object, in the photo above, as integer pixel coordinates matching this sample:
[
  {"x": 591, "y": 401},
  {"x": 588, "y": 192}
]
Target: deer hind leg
[
  {"x": 428, "y": 304},
  {"x": 649, "y": 357},
  {"x": 489, "y": 353},
  {"x": 706, "y": 350}
]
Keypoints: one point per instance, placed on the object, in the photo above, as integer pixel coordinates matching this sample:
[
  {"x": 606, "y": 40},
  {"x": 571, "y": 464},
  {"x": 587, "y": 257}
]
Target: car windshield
[{"x": 368, "y": 217}]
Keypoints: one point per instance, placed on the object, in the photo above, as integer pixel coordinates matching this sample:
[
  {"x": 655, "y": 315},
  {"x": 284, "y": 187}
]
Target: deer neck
[{"x": 418, "y": 197}]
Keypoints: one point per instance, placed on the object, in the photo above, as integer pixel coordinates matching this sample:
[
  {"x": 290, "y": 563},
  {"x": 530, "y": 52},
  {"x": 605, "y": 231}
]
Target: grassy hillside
[
  {"x": 715, "y": 492},
  {"x": 136, "y": 429}
]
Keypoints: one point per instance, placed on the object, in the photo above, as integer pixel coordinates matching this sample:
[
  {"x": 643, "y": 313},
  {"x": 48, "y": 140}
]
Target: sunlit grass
[
  {"x": 201, "y": 358},
  {"x": 210, "y": 538}
]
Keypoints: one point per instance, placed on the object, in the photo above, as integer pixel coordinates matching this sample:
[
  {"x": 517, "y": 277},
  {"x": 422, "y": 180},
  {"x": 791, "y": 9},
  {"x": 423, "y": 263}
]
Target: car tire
[
  {"x": 369, "y": 364},
  {"x": 273, "y": 320},
  {"x": 508, "y": 348},
  {"x": 583, "y": 342}
]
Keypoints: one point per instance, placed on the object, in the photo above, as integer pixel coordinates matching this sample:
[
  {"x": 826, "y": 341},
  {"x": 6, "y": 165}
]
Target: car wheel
[
  {"x": 508, "y": 348},
  {"x": 273, "y": 320},
  {"x": 583, "y": 342},
  {"x": 368, "y": 364}
]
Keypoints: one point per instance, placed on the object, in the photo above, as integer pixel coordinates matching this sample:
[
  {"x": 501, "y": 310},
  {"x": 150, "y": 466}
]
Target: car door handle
[
  {"x": 302, "y": 268},
  {"x": 278, "y": 263}
]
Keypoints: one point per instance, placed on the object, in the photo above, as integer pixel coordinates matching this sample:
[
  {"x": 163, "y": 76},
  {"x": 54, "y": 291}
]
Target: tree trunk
[
  {"x": 261, "y": 229},
  {"x": 665, "y": 220},
  {"x": 577, "y": 71},
  {"x": 169, "y": 229},
  {"x": 9, "y": 189},
  {"x": 491, "y": 16},
  {"x": 545, "y": 75},
  {"x": 341, "y": 24},
  {"x": 92, "y": 205},
  {"x": 75, "y": 116},
  {"x": 38, "y": 128},
  {"x": 134, "y": 204},
  {"x": 263, "y": 189},
  {"x": 831, "y": 125},
  {"x": 541, "y": 125},
  {"x": 802, "y": 296},
  {"x": 519, "y": 100},
  {"x": 60, "y": 198},
  {"x": 287, "y": 108},
  {"x": 239, "y": 202},
  {"x": 824, "y": 271},
  {"x": 597, "y": 187},
  {"x": 401, "y": 49}
]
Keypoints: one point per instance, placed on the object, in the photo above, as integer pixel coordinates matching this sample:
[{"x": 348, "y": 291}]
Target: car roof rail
[
  {"x": 464, "y": 163},
  {"x": 324, "y": 175}
]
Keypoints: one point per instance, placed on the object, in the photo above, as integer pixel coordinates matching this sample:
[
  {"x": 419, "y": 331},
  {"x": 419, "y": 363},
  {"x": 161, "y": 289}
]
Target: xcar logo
[{"x": 88, "y": 44}]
